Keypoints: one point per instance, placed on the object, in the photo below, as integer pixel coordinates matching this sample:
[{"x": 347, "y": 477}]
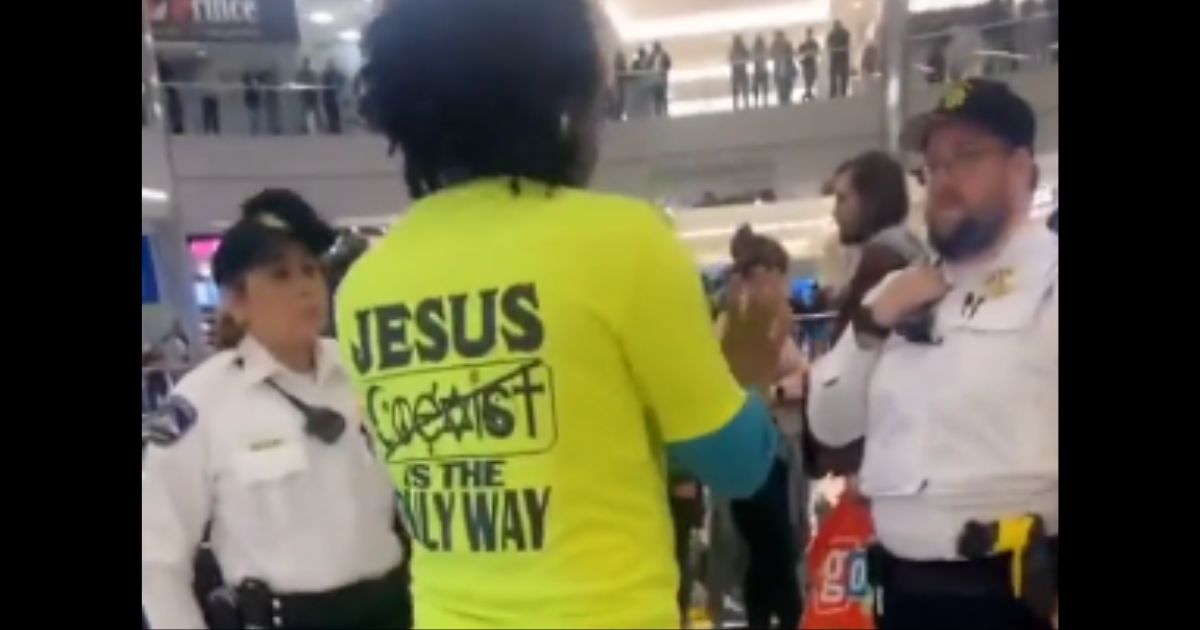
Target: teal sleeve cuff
[{"x": 732, "y": 461}]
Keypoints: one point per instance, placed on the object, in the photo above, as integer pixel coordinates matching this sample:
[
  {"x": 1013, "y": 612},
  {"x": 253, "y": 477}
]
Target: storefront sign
[{"x": 224, "y": 20}]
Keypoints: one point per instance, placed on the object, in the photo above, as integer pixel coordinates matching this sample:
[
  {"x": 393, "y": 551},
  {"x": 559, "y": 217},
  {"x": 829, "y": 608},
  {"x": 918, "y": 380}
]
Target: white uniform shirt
[
  {"x": 965, "y": 429},
  {"x": 286, "y": 508}
]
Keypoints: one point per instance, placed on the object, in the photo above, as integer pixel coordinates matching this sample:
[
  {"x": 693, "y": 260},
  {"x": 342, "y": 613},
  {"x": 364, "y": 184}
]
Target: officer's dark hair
[
  {"x": 482, "y": 88},
  {"x": 749, "y": 250},
  {"x": 878, "y": 180},
  {"x": 270, "y": 220}
]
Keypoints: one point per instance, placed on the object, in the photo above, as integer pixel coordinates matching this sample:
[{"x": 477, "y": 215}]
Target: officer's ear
[
  {"x": 233, "y": 302},
  {"x": 227, "y": 333},
  {"x": 1022, "y": 171}
]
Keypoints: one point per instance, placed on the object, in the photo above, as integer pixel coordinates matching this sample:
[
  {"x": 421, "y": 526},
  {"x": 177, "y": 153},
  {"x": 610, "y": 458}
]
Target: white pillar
[
  {"x": 893, "y": 44},
  {"x": 167, "y": 234}
]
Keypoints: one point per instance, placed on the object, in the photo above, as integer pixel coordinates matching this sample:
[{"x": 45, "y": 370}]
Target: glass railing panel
[
  {"x": 944, "y": 50},
  {"x": 993, "y": 49}
]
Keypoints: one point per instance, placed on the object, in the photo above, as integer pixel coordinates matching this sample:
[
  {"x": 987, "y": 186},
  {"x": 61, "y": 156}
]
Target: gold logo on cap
[
  {"x": 956, "y": 95},
  {"x": 999, "y": 283},
  {"x": 269, "y": 220}
]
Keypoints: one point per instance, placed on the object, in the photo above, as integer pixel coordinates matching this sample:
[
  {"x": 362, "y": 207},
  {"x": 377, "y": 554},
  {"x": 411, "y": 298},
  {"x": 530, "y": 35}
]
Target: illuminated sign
[{"x": 224, "y": 20}]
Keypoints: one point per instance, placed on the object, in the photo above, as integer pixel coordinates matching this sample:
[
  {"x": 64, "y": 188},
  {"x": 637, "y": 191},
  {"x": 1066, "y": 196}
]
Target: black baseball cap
[
  {"x": 990, "y": 105},
  {"x": 271, "y": 220}
]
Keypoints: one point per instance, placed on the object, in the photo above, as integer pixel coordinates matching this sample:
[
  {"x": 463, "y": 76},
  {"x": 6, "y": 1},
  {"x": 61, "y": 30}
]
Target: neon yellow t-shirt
[{"x": 523, "y": 358}]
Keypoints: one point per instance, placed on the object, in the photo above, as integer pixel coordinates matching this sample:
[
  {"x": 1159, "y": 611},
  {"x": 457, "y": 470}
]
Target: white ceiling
[
  {"x": 635, "y": 20},
  {"x": 649, "y": 17},
  {"x": 697, "y": 33}
]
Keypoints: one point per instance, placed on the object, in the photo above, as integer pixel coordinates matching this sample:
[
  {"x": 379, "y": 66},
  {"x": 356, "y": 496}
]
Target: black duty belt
[
  {"x": 379, "y": 602},
  {"x": 978, "y": 577},
  {"x": 959, "y": 578}
]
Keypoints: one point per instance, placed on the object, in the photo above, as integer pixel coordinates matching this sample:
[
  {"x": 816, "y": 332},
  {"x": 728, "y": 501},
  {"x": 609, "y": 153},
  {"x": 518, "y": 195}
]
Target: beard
[{"x": 974, "y": 233}]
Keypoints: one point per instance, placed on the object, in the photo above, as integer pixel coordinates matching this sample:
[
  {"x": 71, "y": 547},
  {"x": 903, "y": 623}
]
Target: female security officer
[
  {"x": 262, "y": 447},
  {"x": 530, "y": 353}
]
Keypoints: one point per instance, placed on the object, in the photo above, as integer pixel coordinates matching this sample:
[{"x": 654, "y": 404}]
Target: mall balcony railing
[{"x": 993, "y": 49}]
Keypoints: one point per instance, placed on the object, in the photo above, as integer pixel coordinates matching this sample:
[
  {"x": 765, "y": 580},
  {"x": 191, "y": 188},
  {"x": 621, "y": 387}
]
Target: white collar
[
  {"x": 258, "y": 364},
  {"x": 1031, "y": 250}
]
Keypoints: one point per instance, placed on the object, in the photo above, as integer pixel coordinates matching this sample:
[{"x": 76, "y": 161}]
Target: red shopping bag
[{"x": 839, "y": 595}]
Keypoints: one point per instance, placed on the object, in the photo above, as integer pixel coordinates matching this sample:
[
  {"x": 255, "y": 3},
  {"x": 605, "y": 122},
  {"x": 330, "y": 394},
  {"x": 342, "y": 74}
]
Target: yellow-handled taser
[{"x": 1032, "y": 562}]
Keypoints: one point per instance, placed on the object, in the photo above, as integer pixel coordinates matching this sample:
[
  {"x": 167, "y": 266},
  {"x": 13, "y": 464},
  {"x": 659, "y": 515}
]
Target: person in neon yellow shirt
[{"x": 531, "y": 355}]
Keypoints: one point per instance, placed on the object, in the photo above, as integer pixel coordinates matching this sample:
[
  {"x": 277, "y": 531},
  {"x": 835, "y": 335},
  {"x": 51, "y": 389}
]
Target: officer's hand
[
  {"x": 757, "y": 322},
  {"x": 907, "y": 292}
]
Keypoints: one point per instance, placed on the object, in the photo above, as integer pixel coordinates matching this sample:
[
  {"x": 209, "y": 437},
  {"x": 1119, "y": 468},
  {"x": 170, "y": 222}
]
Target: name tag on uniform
[
  {"x": 270, "y": 464},
  {"x": 263, "y": 445}
]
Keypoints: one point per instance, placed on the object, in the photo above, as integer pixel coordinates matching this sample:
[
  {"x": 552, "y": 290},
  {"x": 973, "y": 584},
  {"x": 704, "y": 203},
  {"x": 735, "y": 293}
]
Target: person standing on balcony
[
  {"x": 784, "y": 63},
  {"x": 838, "y": 45},
  {"x": 641, "y": 91},
  {"x": 660, "y": 64},
  {"x": 739, "y": 57},
  {"x": 252, "y": 97},
  {"x": 270, "y": 82},
  {"x": 762, "y": 79},
  {"x": 306, "y": 82},
  {"x": 809, "y": 50},
  {"x": 210, "y": 100},
  {"x": 332, "y": 83},
  {"x": 870, "y": 61},
  {"x": 620, "y": 83},
  {"x": 641, "y": 60},
  {"x": 168, "y": 77},
  {"x": 935, "y": 63}
]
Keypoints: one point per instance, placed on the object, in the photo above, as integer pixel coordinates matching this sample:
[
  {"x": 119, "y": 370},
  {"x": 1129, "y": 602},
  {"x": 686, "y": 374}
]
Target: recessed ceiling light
[
  {"x": 715, "y": 22},
  {"x": 320, "y": 17},
  {"x": 154, "y": 194},
  {"x": 350, "y": 35}
]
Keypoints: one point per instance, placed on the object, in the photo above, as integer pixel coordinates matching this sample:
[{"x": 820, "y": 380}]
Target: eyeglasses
[{"x": 959, "y": 162}]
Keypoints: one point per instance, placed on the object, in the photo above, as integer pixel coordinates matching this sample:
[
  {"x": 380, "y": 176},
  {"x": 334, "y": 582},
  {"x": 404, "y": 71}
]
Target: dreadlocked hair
[{"x": 482, "y": 88}]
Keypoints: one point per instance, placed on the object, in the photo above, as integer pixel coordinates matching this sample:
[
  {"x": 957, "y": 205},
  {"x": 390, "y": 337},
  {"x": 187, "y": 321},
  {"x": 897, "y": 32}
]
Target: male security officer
[{"x": 950, "y": 371}]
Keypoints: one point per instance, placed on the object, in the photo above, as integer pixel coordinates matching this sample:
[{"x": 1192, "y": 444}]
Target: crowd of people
[
  {"x": 754, "y": 69},
  {"x": 526, "y": 402},
  {"x": 311, "y": 103},
  {"x": 640, "y": 87},
  {"x": 987, "y": 40}
]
